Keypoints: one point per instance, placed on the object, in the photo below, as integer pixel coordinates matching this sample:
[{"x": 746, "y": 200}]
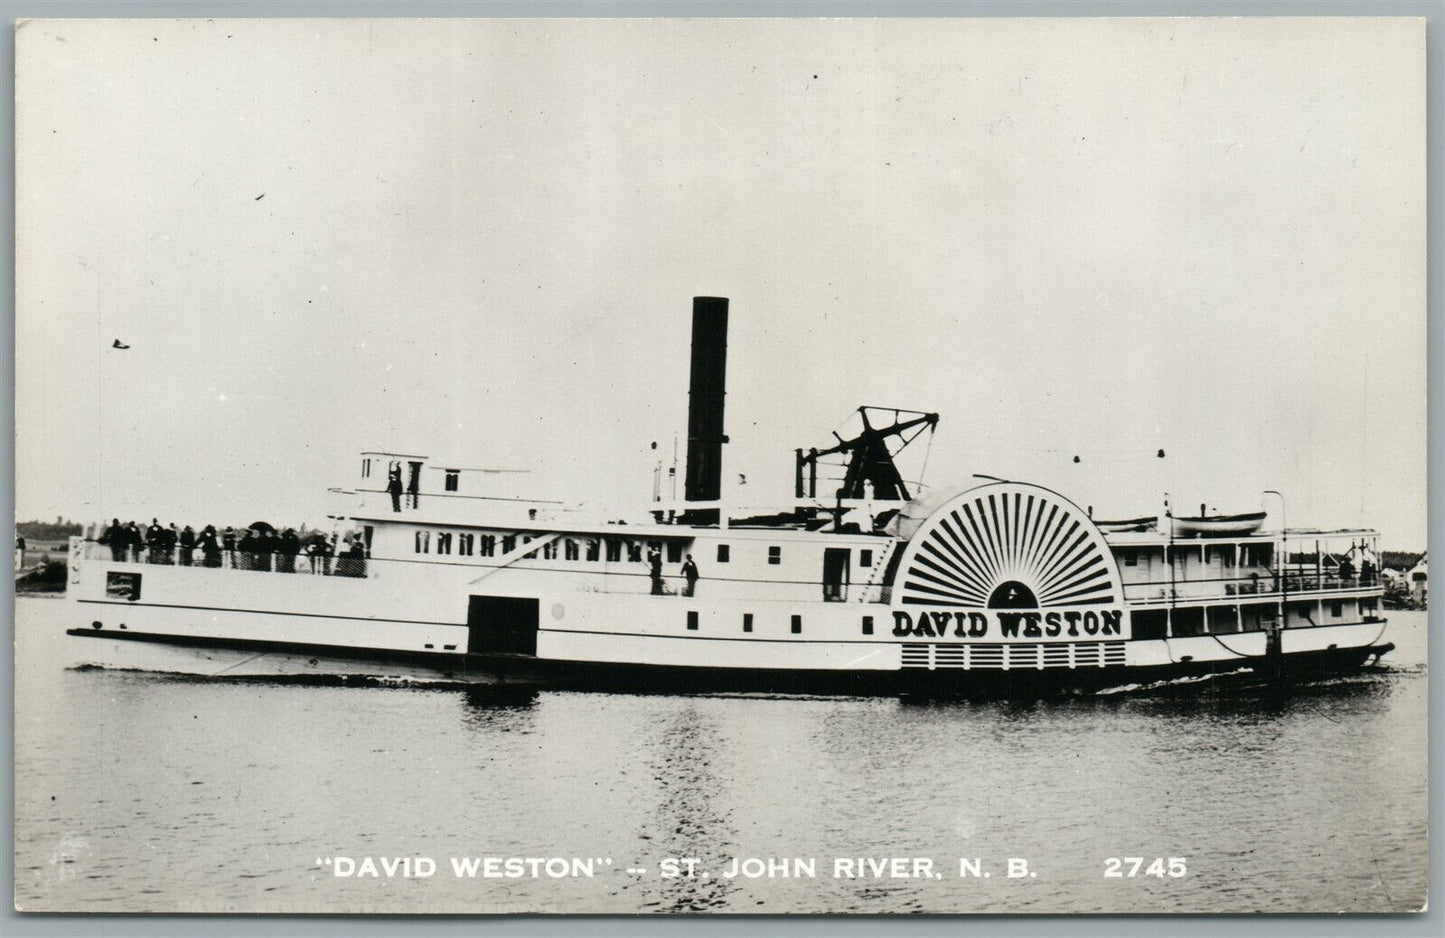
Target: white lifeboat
[
  {"x": 1128, "y": 524},
  {"x": 1215, "y": 525}
]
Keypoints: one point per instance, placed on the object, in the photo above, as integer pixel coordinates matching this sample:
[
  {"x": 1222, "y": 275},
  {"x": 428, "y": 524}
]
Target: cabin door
[
  {"x": 836, "y": 561},
  {"x": 502, "y": 625}
]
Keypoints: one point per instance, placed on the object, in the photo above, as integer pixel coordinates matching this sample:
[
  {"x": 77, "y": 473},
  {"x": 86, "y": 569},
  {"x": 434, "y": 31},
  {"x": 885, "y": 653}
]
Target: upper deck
[
  {"x": 859, "y": 551},
  {"x": 807, "y": 550},
  {"x": 1157, "y": 570}
]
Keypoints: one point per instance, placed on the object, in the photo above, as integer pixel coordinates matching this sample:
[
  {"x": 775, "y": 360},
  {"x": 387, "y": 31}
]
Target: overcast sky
[{"x": 479, "y": 240}]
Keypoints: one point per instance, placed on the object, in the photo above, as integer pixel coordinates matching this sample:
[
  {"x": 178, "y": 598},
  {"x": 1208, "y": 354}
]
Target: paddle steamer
[{"x": 877, "y": 586}]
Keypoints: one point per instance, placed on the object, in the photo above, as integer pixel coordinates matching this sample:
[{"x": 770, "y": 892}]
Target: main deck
[
  {"x": 765, "y": 599},
  {"x": 453, "y": 568}
]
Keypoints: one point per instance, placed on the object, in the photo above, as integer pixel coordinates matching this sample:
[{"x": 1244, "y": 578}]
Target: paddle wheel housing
[{"x": 1007, "y": 545}]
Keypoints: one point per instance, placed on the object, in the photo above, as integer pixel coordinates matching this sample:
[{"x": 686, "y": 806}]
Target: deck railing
[
  {"x": 1265, "y": 587},
  {"x": 308, "y": 562},
  {"x": 1253, "y": 587}
]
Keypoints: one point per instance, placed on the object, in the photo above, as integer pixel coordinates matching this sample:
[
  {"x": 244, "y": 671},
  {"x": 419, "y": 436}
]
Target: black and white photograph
[{"x": 733, "y": 466}]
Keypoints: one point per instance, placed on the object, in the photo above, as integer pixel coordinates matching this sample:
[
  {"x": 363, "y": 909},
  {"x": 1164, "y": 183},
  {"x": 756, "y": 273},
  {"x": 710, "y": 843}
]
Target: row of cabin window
[
  {"x": 1190, "y": 621},
  {"x": 795, "y": 623},
  {"x": 1248, "y": 556},
  {"x": 775, "y": 555},
  {"x": 1146, "y": 624},
  {"x": 486, "y": 545}
]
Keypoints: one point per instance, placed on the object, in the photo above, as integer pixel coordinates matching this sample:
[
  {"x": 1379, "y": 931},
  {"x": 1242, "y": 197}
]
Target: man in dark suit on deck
[
  {"x": 115, "y": 537},
  {"x": 689, "y": 573}
]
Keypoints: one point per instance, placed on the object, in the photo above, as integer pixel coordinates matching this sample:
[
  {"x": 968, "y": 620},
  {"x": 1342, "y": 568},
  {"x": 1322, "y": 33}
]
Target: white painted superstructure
[{"x": 1004, "y": 585}]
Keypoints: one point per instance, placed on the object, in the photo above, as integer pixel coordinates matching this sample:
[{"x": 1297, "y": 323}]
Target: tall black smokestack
[{"x": 705, "y": 394}]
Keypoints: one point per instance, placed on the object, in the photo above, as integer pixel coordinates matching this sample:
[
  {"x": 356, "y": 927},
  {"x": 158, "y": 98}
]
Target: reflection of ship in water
[
  {"x": 687, "y": 820},
  {"x": 875, "y": 584},
  {"x": 486, "y": 698}
]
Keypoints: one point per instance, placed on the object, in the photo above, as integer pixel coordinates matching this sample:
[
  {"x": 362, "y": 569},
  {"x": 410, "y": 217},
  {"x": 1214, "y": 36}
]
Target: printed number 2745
[{"x": 1131, "y": 867}]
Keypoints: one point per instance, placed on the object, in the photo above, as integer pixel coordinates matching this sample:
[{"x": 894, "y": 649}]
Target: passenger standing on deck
[
  {"x": 290, "y": 546},
  {"x": 19, "y": 552},
  {"x": 265, "y": 549},
  {"x": 654, "y": 564},
  {"x": 353, "y": 562},
  {"x": 413, "y": 486},
  {"x": 313, "y": 551},
  {"x": 169, "y": 538},
  {"x": 358, "y": 557},
  {"x": 247, "y": 549},
  {"x": 210, "y": 550},
  {"x": 115, "y": 537},
  {"x": 343, "y": 553},
  {"x": 228, "y": 544},
  {"x": 393, "y": 485},
  {"x": 155, "y": 534},
  {"x": 188, "y": 543},
  {"x": 689, "y": 573},
  {"x": 328, "y": 550},
  {"x": 133, "y": 541}
]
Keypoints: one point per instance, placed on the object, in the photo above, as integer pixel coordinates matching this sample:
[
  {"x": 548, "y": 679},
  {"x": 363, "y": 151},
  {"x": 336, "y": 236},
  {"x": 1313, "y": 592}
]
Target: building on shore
[{"x": 1417, "y": 580}]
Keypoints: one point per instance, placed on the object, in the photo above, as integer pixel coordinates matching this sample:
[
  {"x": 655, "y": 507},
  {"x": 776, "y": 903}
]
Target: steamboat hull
[
  {"x": 975, "y": 685},
  {"x": 238, "y": 659}
]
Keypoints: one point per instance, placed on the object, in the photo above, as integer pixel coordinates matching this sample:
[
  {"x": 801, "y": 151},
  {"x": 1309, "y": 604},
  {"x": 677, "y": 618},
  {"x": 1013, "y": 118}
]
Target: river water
[{"x": 138, "y": 792}]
